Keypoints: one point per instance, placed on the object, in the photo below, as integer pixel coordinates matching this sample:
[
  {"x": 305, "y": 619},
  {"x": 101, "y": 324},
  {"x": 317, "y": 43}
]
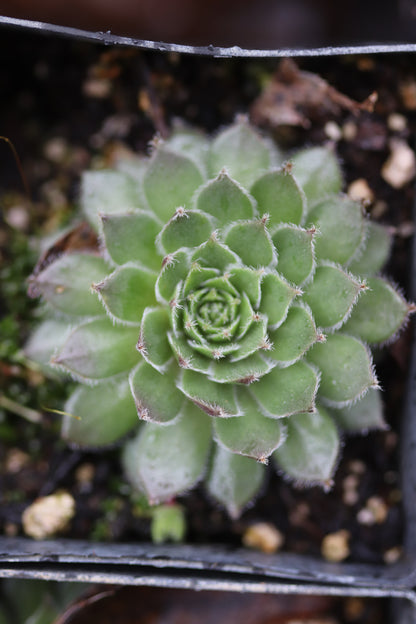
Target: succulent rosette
[{"x": 232, "y": 300}]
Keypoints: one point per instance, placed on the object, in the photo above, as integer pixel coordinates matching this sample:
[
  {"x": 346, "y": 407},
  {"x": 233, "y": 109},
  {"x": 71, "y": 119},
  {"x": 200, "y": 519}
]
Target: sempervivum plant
[{"x": 226, "y": 315}]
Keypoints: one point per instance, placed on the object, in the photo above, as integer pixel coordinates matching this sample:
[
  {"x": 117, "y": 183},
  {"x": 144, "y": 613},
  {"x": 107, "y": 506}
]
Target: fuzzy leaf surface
[
  {"x": 214, "y": 398},
  {"x": 187, "y": 229},
  {"x": 66, "y": 283},
  {"x": 156, "y": 397},
  {"x": 225, "y": 200},
  {"x": 310, "y": 452},
  {"x": 175, "y": 269},
  {"x": 153, "y": 342},
  {"x": 234, "y": 480},
  {"x": 341, "y": 227},
  {"x": 375, "y": 253},
  {"x": 131, "y": 238},
  {"x": 379, "y": 313},
  {"x": 251, "y": 241},
  {"x": 180, "y": 176},
  {"x": 106, "y": 411},
  {"x": 98, "y": 349},
  {"x": 295, "y": 249},
  {"x": 166, "y": 461},
  {"x": 318, "y": 173},
  {"x": 278, "y": 194},
  {"x": 294, "y": 337},
  {"x": 276, "y": 297},
  {"x": 346, "y": 367},
  {"x": 286, "y": 391},
  {"x": 362, "y": 416},
  {"x": 251, "y": 434},
  {"x": 127, "y": 292},
  {"x": 230, "y": 150}
]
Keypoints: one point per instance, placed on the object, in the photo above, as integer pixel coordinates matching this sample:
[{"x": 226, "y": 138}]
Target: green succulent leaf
[
  {"x": 279, "y": 195},
  {"x": 187, "y": 228},
  {"x": 294, "y": 337},
  {"x": 97, "y": 350},
  {"x": 108, "y": 192},
  {"x": 45, "y": 341},
  {"x": 153, "y": 341},
  {"x": 131, "y": 237},
  {"x": 251, "y": 241},
  {"x": 230, "y": 150},
  {"x": 226, "y": 200},
  {"x": 365, "y": 414},
  {"x": 276, "y": 297},
  {"x": 332, "y": 295},
  {"x": 186, "y": 356},
  {"x": 99, "y": 415},
  {"x": 317, "y": 172},
  {"x": 311, "y": 449},
  {"x": 379, "y": 314},
  {"x": 214, "y": 398},
  {"x": 215, "y": 255},
  {"x": 234, "y": 480},
  {"x": 247, "y": 282},
  {"x": 251, "y": 434},
  {"x": 286, "y": 391},
  {"x": 190, "y": 143},
  {"x": 66, "y": 283},
  {"x": 295, "y": 248},
  {"x": 127, "y": 292},
  {"x": 181, "y": 177},
  {"x": 175, "y": 269},
  {"x": 244, "y": 371},
  {"x": 375, "y": 253},
  {"x": 166, "y": 461},
  {"x": 156, "y": 397},
  {"x": 346, "y": 367},
  {"x": 341, "y": 228}
]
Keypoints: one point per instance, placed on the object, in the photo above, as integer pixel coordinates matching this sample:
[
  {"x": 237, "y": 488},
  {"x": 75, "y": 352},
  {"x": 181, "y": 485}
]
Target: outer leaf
[
  {"x": 366, "y": 414},
  {"x": 242, "y": 372},
  {"x": 156, "y": 397},
  {"x": 234, "y": 480},
  {"x": 166, "y": 461},
  {"x": 45, "y": 341},
  {"x": 66, "y": 283},
  {"x": 180, "y": 176},
  {"x": 108, "y": 192},
  {"x": 190, "y": 143},
  {"x": 279, "y": 195},
  {"x": 375, "y": 253},
  {"x": 346, "y": 367},
  {"x": 318, "y": 173},
  {"x": 251, "y": 241},
  {"x": 252, "y": 434},
  {"x": 295, "y": 249},
  {"x": 127, "y": 292},
  {"x": 310, "y": 452},
  {"x": 106, "y": 412},
  {"x": 379, "y": 313},
  {"x": 332, "y": 295},
  {"x": 153, "y": 342},
  {"x": 215, "y": 399},
  {"x": 175, "y": 268},
  {"x": 341, "y": 228},
  {"x": 225, "y": 200},
  {"x": 276, "y": 297},
  {"x": 98, "y": 349},
  {"x": 187, "y": 228},
  {"x": 286, "y": 391},
  {"x": 231, "y": 149},
  {"x": 131, "y": 238},
  {"x": 294, "y": 337}
]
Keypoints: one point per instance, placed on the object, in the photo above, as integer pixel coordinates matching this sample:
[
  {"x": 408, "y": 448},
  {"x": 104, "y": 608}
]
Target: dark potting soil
[{"x": 67, "y": 105}]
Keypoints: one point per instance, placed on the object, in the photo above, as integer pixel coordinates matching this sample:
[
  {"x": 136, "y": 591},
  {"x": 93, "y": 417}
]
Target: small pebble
[
  {"x": 357, "y": 466},
  {"x": 374, "y": 512},
  {"x": 392, "y": 554},
  {"x": 350, "y": 493},
  {"x": 56, "y": 149},
  {"x": 359, "y": 190},
  {"x": 335, "y": 546},
  {"x": 48, "y": 515},
  {"x": 263, "y": 536},
  {"x": 397, "y": 122},
  {"x": 333, "y": 131},
  {"x": 16, "y": 459},
  {"x": 349, "y": 130},
  {"x": 98, "y": 88},
  {"x": 408, "y": 93},
  {"x": 400, "y": 167},
  {"x": 18, "y": 218}
]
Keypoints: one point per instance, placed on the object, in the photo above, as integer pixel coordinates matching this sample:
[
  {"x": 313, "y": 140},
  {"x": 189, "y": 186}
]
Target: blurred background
[{"x": 247, "y": 23}]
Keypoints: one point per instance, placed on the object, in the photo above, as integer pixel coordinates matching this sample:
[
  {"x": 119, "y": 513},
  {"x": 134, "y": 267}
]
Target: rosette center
[{"x": 212, "y": 313}]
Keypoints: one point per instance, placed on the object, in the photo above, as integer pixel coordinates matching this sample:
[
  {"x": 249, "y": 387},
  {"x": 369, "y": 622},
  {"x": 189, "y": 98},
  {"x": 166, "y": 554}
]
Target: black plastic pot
[{"x": 217, "y": 567}]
